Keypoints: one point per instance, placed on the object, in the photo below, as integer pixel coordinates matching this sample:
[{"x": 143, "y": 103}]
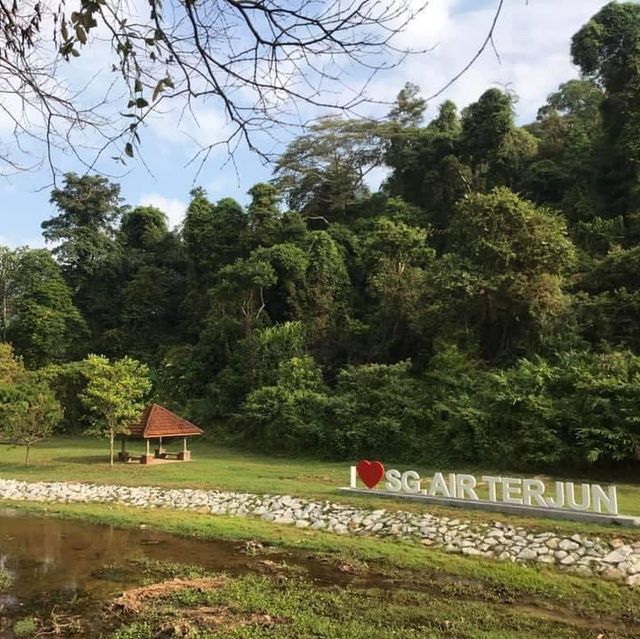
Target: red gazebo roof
[{"x": 157, "y": 421}]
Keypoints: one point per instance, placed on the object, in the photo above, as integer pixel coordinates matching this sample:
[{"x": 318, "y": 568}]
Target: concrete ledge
[{"x": 500, "y": 507}]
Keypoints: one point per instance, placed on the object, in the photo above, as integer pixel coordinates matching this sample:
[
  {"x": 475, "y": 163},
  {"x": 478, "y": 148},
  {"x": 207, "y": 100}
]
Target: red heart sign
[{"x": 370, "y": 472}]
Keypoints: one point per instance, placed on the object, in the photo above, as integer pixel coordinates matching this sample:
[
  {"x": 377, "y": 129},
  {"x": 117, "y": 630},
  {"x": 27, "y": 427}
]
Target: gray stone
[
  {"x": 568, "y": 544},
  {"x": 527, "y": 554},
  {"x": 615, "y": 556}
]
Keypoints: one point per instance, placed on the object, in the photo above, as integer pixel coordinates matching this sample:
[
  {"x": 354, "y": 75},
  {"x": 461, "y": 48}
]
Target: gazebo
[{"x": 159, "y": 423}]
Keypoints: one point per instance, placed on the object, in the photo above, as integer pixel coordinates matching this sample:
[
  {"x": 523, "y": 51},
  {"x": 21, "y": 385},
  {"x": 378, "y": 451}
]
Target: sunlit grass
[{"x": 216, "y": 467}]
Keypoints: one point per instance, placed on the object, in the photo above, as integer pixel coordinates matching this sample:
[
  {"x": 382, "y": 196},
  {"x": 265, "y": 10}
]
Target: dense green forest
[{"x": 482, "y": 307}]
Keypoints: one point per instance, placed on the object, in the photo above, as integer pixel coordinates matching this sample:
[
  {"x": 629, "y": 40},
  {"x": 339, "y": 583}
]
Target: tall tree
[
  {"x": 84, "y": 235},
  {"x": 45, "y": 325},
  {"x": 83, "y": 231},
  {"x": 152, "y": 287},
  {"x": 563, "y": 173},
  {"x": 607, "y": 49},
  {"x": 323, "y": 172},
  {"x": 214, "y": 236},
  {"x": 514, "y": 257},
  {"x": 9, "y": 260},
  {"x": 396, "y": 256},
  {"x": 427, "y": 169},
  {"x": 494, "y": 147}
]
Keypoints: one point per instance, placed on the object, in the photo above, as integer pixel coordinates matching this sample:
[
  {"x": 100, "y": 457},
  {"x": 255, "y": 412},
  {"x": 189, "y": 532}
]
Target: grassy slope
[{"x": 215, "y": 467}]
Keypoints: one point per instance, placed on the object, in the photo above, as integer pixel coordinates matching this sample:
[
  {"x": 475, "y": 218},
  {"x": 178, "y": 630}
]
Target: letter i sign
[{"x": 370, "y": 472}]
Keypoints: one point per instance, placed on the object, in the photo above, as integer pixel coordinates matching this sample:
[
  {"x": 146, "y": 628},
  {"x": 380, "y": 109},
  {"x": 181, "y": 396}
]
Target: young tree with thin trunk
[
  {"x": 29, "y": 413},
  {"x": 115, "y": 395}
]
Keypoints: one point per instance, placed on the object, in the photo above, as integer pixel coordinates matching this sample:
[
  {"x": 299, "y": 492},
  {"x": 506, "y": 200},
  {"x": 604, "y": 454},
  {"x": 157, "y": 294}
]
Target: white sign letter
[
  {"x": 510, "y": 489},
  {"x": 532, "y": 490},
  {"x": 571, "y": 497},
  {"x": 465, "y": 485},
  {"x": 414, "y": 486},
  {"x": 600, "y": 498},
  {"x": 491, "y": 483},
  {"x": 393, "y": 480},
  {"x": 558, "y": 501},
  {"x": 438, "y": 484}
]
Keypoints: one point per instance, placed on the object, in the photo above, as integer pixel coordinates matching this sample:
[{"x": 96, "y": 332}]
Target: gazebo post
[
  {"x": 185, "y": 455},
  {"x": 147, "y": 459}
]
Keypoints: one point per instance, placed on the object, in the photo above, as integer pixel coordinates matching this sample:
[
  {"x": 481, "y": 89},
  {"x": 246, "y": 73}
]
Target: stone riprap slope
[{"x": 578, "y": 553}]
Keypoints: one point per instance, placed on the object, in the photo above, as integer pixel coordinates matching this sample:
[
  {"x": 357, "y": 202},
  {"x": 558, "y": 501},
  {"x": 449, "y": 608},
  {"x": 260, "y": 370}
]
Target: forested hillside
[{"x": 482, "y": 307}]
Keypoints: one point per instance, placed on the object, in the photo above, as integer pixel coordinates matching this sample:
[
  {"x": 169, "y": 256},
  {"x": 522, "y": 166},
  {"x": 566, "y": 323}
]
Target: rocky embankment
[{"x": 578, "y": 553}]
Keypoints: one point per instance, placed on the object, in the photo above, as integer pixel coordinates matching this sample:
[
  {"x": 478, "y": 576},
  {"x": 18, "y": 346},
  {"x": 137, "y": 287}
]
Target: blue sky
[{"x": 532, "y": 38}]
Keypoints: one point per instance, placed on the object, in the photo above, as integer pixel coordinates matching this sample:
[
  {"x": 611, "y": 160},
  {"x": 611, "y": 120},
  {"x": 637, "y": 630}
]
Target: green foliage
[
  {"x": 254, "y": 364},
  {"x": 44, "y": 325},
  {"x": 516, "y": 256},
  {"x": 322, "y": 172},
  {"x": 288, "y": 415},
  {"x": 5, "y": 579},
  {"x": 114, "y": 395},
  {"x": 481, "y": 306},
  {"x": 12, "y": 370},
  {"x": 324, "y": 297},
  {"x": 25, "y": 627},
  {"x": 82, "y": 231},
  {"x": 143, "y": 227},
  {"x": 29, "y": 412},
  {"x": 9, "y": 263},
  {"x": 603, "y": 407},
  {"x": 67, "y": 381},
  {"x": 607, "y": 49},
  {"x": 409, "y": 107},
  {"x": 375, "y": 412}
]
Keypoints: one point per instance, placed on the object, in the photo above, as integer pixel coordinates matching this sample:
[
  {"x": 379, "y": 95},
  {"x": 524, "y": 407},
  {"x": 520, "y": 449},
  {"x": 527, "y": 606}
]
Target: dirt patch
[
  {"x": 208, "y": 618},
  {"x": 133, "y": 600},
  {"x": 185, "y": 622}
]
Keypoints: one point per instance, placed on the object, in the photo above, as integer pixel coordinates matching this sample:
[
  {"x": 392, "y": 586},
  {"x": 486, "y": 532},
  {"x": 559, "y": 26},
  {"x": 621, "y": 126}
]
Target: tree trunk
[
  {"x": 111, "y": 442},
  {"x": 4, "y": 318},
  {"x": 26, "y": 457}
]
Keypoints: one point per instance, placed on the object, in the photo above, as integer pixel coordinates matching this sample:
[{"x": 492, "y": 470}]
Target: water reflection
[{"x": 55, "y": 560}]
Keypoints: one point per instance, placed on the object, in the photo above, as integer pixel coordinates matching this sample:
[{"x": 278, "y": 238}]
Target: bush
[
  {"x": 599, "y": 401},
  {"x": 377, "y": 411},
  {"x": 286, "y": 417},
  {"x": 25, "y": 627}
]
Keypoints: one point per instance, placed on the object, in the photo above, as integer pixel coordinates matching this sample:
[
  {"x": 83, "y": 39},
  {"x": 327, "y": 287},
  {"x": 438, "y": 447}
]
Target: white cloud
[
  {"x": 532, "y": 39},
  {"x": 200, "y": 126},
  {"x": 173, "y": 208}
]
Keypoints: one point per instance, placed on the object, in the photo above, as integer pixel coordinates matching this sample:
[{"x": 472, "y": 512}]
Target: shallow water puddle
[{"x": 54, "y": 563}]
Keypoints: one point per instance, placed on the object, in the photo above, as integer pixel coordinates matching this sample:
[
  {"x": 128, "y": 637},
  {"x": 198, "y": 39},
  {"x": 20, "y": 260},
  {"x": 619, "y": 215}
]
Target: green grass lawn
[{"x": 215, "y": 467}]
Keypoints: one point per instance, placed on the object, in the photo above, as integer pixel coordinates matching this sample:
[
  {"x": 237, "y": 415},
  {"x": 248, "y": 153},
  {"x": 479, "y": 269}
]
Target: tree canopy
[{"x": 481, "y": 306}]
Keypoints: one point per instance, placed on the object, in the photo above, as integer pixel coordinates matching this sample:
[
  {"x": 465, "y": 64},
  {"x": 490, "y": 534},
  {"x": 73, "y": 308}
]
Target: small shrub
[{"x": 25, "y": 627}]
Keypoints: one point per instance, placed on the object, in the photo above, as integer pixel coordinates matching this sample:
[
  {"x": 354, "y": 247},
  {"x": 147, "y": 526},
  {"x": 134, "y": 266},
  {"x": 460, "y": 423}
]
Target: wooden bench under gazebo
[{"x": 159, "y": 423}]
